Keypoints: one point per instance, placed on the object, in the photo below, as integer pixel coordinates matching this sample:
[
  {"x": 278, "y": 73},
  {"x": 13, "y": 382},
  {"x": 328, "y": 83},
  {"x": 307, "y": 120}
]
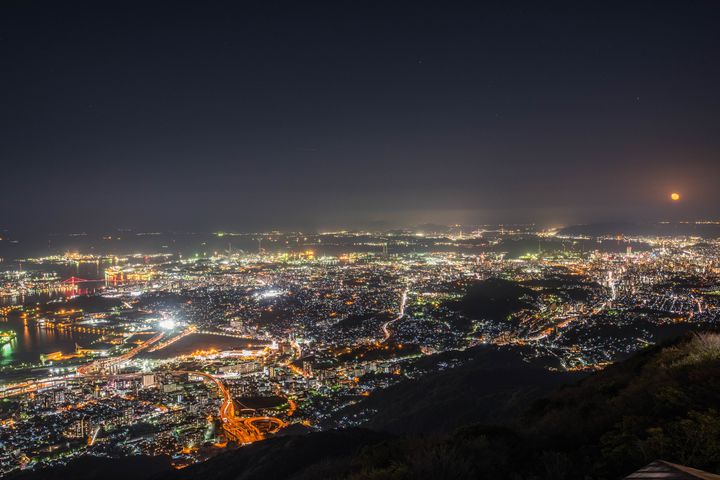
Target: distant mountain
[
  {"x": 704, "y": 230},
  {"x": 431, "y": 228}
]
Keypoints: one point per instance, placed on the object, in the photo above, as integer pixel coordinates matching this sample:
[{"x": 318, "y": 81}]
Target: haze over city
[{"x": 249, "y": 116}]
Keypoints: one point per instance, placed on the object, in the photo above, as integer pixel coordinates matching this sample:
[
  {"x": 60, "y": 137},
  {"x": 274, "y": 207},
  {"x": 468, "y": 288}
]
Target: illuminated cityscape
[
  {"x": 186, "y": 355},
  {"x": 359, "y": 240}
]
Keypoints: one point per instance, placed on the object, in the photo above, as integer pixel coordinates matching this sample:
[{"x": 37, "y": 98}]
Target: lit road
[
  {"x": 107, "y": 363},
  {"x": 170, "y": 341},
  {"x": 90, "y": 368},
  {"x": 241, "y": 429},
  {"x": 33, "y": 385},
  {"x": 401, "y": 314}
]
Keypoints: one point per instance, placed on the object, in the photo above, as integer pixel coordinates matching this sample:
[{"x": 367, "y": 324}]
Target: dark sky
[{"x": 255, "y": 115}]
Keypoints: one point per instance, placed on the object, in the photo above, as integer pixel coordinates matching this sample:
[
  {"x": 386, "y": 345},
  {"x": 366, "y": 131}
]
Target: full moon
[{"x": 675, "y": 197}]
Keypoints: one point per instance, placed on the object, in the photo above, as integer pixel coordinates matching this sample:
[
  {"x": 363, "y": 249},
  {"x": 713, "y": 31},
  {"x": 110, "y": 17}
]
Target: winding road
[
  {"x": 243, "y": 430},
  {"x": 401, "y": 314}
]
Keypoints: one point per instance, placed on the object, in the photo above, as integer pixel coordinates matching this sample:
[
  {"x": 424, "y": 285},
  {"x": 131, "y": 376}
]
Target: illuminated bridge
[
  {"x": 76, "y": 280},
  {"x": 33, "y": 386},
  {"x": 106, "y": 363}
]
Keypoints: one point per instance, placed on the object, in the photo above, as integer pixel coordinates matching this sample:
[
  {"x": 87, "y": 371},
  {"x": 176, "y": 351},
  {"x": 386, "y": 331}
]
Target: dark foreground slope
[
  {"x": 311, "y": 456},
  {"x": 276, "y": 458},
  {"x": 492, "y": 385},
  {"x": 661, "y": 403},
  {"x": 91, "y": 468}
]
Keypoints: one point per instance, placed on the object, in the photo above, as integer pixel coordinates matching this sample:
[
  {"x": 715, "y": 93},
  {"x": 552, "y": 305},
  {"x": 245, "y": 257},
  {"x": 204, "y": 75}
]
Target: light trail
[
  {"x": 171, "y": 340},
  {"x": 244, "y": 430},
  {"x": 33, "y": 385},
  {"x": 107, "y": 363},
  {"x": 93, "y": 437},
  {"x": 292, "y": 406},
  {"x": 90, "y": 368},
  {"x": 401, "y": 314}
]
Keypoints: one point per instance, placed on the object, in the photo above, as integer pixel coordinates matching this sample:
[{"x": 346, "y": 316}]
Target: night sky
[{"x": 240, "y": 115}]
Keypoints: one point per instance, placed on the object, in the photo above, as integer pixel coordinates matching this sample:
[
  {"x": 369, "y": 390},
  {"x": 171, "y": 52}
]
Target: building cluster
[{"x": 295, "y": 332}]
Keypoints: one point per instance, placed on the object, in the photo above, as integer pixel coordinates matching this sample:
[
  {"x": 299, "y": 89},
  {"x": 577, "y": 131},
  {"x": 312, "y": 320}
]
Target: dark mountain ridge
[{"x": 656, "y": 229}]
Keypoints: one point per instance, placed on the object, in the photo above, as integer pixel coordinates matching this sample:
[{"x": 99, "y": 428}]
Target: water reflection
[{"x": 33, "y": 340}]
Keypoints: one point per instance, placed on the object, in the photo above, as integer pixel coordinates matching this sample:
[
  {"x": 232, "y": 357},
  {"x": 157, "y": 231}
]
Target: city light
[
  {"x": 167, "y": 324},
  {"x": 282, "y": 325}
]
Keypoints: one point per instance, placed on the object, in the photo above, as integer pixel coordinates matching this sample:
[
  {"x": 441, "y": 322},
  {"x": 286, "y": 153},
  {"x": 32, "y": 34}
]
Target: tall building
[{"x": 148, "y": 380}]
